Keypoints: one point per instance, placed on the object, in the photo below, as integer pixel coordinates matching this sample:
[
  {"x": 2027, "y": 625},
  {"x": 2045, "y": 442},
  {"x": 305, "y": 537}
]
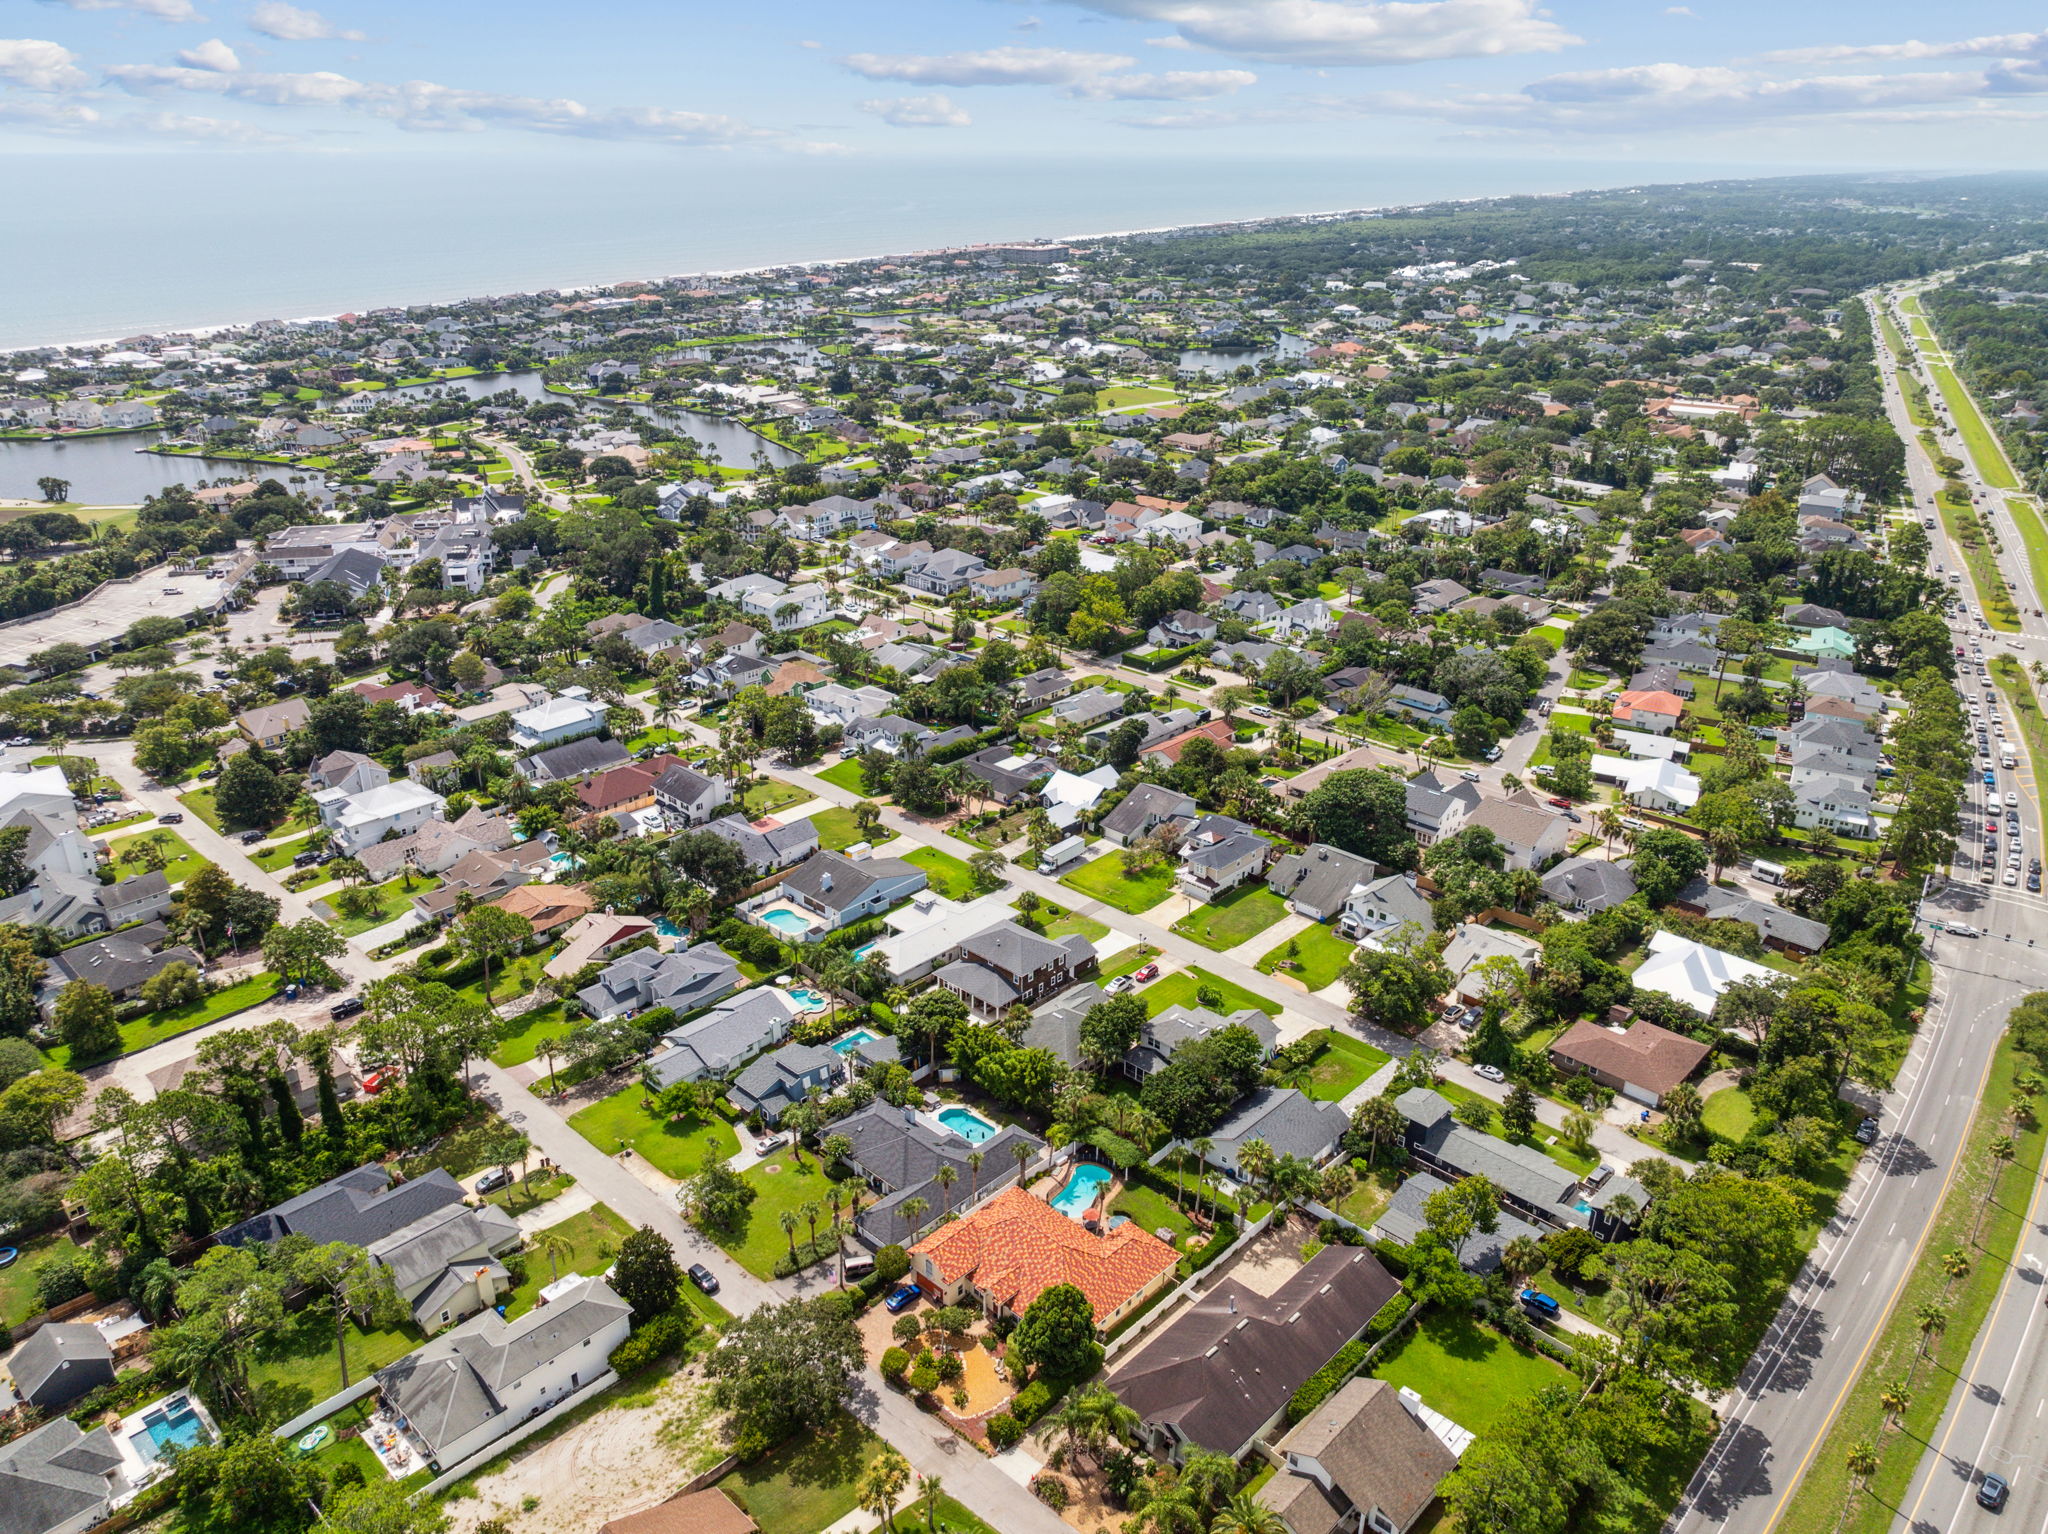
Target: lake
[{"x": 1228, "y": 359}]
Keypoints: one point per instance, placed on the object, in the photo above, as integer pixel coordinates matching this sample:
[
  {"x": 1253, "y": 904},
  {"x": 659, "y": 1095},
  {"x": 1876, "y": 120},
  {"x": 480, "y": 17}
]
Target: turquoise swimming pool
[
  {"x": 967, "y": 1124},
  {"x": 666, "y": 927},
  {"x": 848, "y": 1043},
  {"x": 808, "y": 999},
  {"x": 786, "y": 922},
  {"x": 1081, "y": 1191}
]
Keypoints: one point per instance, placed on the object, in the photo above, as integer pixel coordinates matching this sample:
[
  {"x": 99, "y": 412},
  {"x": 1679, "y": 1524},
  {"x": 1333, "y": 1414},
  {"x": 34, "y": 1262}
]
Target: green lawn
[
  {"x": 1317, "y": 958},
  {"x": 1977, "y": 437},
  {"x": 772, "y": 794},
  {"x": 1341, "y": 1065},
  {"x": 844, "y": 775},
  {"x": 18, "y": 1284},
  {"x": 781, "y": 1183},
  {"x": 1060, "y": 923},
  {"x": 393, "y": 897},
  {"x": 525, "y": 1194},
  {"x": 1729, "y": 1113},
  {"x": 1106, "y": 880},
  {"x": 180, "y": 860},
  {"x": 155, "y": 1027},
  {"x": 808, "y": 1483},
  {"x": 524, "y": 1034},
  {"x": 1155, "y": 1210},
  {"x": 1181, "y": 988},
  {"x": 200, "y": 802},
  {"x": 674, "y": 1147},
  {"x": 1129, "y": 960},
  {"x": 837, "y": 829},
  {"x": 1472, "y": 1375},
  {"x": 657, "y": 735},
  {"x": 298, "y": 1367},
  {"x": 594, "y": 1236},
  {"x": 2027, "y": 518},
  {"x": 948, "y": 875},
  {"x": 1237, "y": 918},
  {"x": 281, "y": 855}
]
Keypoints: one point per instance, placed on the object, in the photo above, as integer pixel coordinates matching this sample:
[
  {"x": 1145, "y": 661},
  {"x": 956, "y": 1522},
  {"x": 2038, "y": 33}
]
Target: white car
[
  {"x": 1489, "y": 1073},
  {"x": 2012, "y": 876},
  {"x": 1962, "y": 929},
  {"x": 2012, "y": 799}
]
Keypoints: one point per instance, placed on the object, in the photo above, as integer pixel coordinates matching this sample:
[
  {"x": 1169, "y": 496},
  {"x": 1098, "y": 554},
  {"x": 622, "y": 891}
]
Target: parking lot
[{"x": 100, "y": 619}]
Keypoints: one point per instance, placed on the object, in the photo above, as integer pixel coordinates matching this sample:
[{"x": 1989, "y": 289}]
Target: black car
[
  {"x": 307, "y": 859},
  {"x": 348, "y": 1006},
  {"x": 1992, "y": 1492},
  {"x": 172, "y": 819},
  {"x": 251, "y": 838},
  {"x": 703, "y": 1278},
  {"x": 220, "y": 675}
]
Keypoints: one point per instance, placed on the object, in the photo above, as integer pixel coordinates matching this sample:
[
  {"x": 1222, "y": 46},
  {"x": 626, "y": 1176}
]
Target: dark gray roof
[
  {"x": 1174, "y": 1026},
  {"x": 779, "y": 1076},
  {"x": 1320, "y": 876},
  {"x": 772, "y": 848},
  {"x": 903, "y": 1153},
  {"x": 1592, "y": 884},
  {"x": 61, "y": 1362},
  {"x": 720, "y": 1040},
  {"x": 1769, "y": 920},
  {"x": 356, "y": 569},
  {"x": 1057, "y": 1025},
  {"x": 1291, "y": 1123},
  {"x": 574, "y": 760},
  {"x": 1403, "y": 1220},
  {"x": 57, "y": 1477},
  {"x": 120, "y": 961},
  {"x": 428, "y": 1245},
  {"x": 1527, "y": 1175},
  {"x": 358, "y": 1207},
  {"x": 834, "y": 882},
  {"x": 1148, "y": 801}
]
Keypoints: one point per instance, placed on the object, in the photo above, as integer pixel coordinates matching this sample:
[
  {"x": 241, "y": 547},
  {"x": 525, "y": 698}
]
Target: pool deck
[
  {"x": 1054, "y": 1183},
  {"x": 140, "y": 1471}
]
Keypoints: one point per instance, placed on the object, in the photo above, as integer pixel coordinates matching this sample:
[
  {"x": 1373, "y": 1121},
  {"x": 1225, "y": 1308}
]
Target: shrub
[
  {"x": 1031, "y": 1402},
  {"x": 1391, "y": 1315},
  {"x": 908, "y": 1329},
  {"x": 895, "y": 1364},
  {"x": 924, "y": 1375},
  {"x": 891, "y": 1263},
  {"x": 661, "y": 1337},
  {"x": 1321, "y": 1385},
  {"x": 1050, "y": 1490},
  {"x": 1005, "y": 1431},
  {"x": 950, "y": 1368}
]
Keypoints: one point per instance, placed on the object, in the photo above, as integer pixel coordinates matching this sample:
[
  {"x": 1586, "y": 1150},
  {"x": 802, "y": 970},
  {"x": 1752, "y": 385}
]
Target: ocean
[{"x": 118, "y": 244}]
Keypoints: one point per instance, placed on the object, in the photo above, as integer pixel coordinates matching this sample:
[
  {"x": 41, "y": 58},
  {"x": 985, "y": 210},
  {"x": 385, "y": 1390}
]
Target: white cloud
[
  {"x": 1678, "y": 10},
  {"x": 295, "y": 24},
  {"x": 212, "y": 54},
  {"x": 2005, "y": 45},
  {"x": 1365, "y": 32},
  {"x": 1009, "y": 65},
  {"x": 198, "y": 130},
  {"x": 163, "y": 10},
  {"x": 1171, "y": 40},
  {"x": 426, "y": 107},
  {"x": 39, "y": 65},
  {"x": 933, "y": 111},
  {"x": 1172, "y": 85}
]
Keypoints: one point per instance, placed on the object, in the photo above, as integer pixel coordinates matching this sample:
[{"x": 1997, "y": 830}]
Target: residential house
[
  {"x": 596, "y": 936},
  {"x": 767, "y": 845},
  {"x": 784, "y": 1077},
  {"x": 1386, "y": 905},
  {"x": 1786, "y": 931},
  {"x": 1174, "y": 1026},
  {"x": 120, "y": 961},
  {"x": 898, "y": 1153},
  {"x": 1145, "y": 809},
  {"x": 1406, "y": 1216},
  {"x": 1368, "y": 1460},
  {"x": 1285, "y": 1121},
  {"x": 1086, "y": 708},
  {"x": 719, "y": 1041},
  {"x": 59, "y": 1362},
  {"x": 1221, "y": 1374},
  {"x": 1319, "y": 881},
  {"x": 682, "y": 981},
  {"x": 835, "y": 703},
  {"x": 1002, "y": 588},
  {"x": 356, "y": 821},
  {"x": 60, "y": 1479},
  {"x": 445, "y": 1264},
  {"x": 1007, "y": 775},
  {"x": 1531, "y": 834},
  {"x": 690, "y": 797},
  {"x": 1642, "y": 1062},
  {"x": 1217, "y": 855},
  {"x": 1590, "y": 885},
  {"x": 1431, "y": 710},
  {"x": 350, "y": 772},
  {"x": 1657, "y": 712},
  {"x": 1013, "y": 1248},
  {"x": 547, "y": 907},
  {"x": 944, "y": 571},
  {"x": 1692, "y": 973},
  {"x": 360, "y": 1207},
  {"x": 1439, "y": 595},
  {"x": 1437, "y": 809},
  {"x": 1472, "y": 944},
  {"x": 1826, "y": 802},
  {"x": 571, "y": 715},
  {"x": 1006, "y": 964},
  {"x": 566, "y": 763},
  {"x": 267, "y": 727},
  {"x": 837, "y": 892},
  {"x": 462, "y": 1392},
  {"x": 1529, "y": 1183},
  {"x": 1181, "y": 628}
]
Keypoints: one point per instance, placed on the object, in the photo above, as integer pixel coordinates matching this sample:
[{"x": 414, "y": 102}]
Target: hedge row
[
  {"x": 666, "y": 1335},
  {"x": 1322, "y": 1384},
  {"x": 1218, "y": 1243}
]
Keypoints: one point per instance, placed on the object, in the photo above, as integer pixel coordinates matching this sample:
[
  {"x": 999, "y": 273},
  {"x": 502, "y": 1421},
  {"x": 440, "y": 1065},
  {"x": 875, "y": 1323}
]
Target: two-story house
[
  {"x": 1004, "y": 965},
  {"x": 1437, "y": 809},
  {"x": 564, "y": 718},
  {"x": 1217, "y": 855}
]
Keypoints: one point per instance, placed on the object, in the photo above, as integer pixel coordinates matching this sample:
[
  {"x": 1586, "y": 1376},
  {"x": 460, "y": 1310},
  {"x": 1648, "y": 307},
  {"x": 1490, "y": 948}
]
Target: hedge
[
  {"x": 895, "y": 1364},
  {"x": 1005, "y": 1431},
  {"x": 1031, "y": 1403},
  {"x": 1217, "y": 1244},
  {"x": 807, "y": 1253},
  {"x": 661, "y": 1337},
  {"x": 1322, "y": 1384},
  {"x": 960, "y": 748}
]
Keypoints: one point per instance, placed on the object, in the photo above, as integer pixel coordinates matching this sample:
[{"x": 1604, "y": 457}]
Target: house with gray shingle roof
[
  {"x": 1290, "y": 1123},
  {"x": 59, "y": 1480}
]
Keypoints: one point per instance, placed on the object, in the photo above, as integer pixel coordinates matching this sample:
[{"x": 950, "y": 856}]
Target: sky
[{"x": 1114, "y": 83}]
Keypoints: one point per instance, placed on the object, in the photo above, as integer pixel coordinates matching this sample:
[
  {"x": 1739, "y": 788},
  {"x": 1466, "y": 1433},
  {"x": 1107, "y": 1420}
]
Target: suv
[
  {"x": 1540, "y": 1305},
  {"x": 703, "y": 1277},
  {"x": 1992, "y": 1491},
  {"x": 1866, "y": 1132},
  {"x": 173, "y": 818}
]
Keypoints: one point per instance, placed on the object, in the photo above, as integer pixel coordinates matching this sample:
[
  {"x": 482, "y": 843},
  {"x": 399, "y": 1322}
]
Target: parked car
[
  {"x": 1540, "y": 1305},
  {"x": 770, "y": 1142},
  {"x": 348, "y": 1006},
  {"x": 493, "y": 1180},
  {"x": 1866, "y": 1131},
  {"x": 1489, "y": 1073},
  {"x": 172, "y": 819},
  {"x": 703, "y": 1277},
  {"x": 251, "y": 838},
  {"x": 1151, "y": 971},
  {"x": 901, "y": 1299},
  {"x": 1469, "y": 775},
  {"x": 1119, "y": 985},
  {"x": 221, "y": 674},
  {"x": 1558, "y": 802}
]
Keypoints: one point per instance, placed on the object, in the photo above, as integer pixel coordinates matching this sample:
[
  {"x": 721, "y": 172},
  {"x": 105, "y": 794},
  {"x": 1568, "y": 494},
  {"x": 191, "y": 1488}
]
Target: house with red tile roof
[
  {"x": 1016, "y": 1246},
  {"x": 625, "y": 787},
  {"x": 1657, "y": 712},
  {"x": 1217, "y": 730},
  {"x": 410, "y": 696}
]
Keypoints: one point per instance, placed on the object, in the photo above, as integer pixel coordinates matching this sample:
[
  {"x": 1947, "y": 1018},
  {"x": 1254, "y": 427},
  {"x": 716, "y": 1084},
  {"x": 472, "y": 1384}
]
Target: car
[
  {"x": 1540, "y": 1305},
  {"x": 1990, "y": 828},
  {"x": 171, "y": 819},
  {"x": 493, "y": 1180},
  {"x": 221, "y": 673},
  {"x": 2012, "y": 799},
  {"x": 2012, "y": 876},
  {"x": 1563, "y": 804},
  {"x": 1989, "y": 778},
  {"x": 1962, "y": 929},
  {"x": 702, "y": 1277},
  {"x": 1469, "y": 775},
  {"x": 1992, "y": 1492},
  {"x": 2033, "y": 865},
  {"x": 1491, "y": 753},
  {"x": 901, "y": 1299},
  {"x": 1261, "y": 711},
  {"x": 763, "y": 1144},
  {"x": 251, "y": 838},
  {"x": 2034, "y": 883},
  {"x": 1149, "y": 972},
  {"x": 1987, "y": 876},
  {"x": 1489, "y": 1073},
  {"x": 1867, "y": 1131},
  {"x": 348, "y": 1006},
  {"x": 1119, "y": 985},
  {"x": 1573, "y": 816}
]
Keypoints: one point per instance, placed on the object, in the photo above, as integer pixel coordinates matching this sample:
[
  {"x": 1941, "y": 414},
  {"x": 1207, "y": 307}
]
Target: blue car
[
  {"x": 1990, "y": 778},
  {"x": 1540, "y": 1305},
  {"x": 901, "y": 1299}
]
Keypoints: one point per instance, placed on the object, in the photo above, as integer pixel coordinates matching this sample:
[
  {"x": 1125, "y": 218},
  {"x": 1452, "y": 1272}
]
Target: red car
[
  {"x": 1563, "y": 804},
  {"x": 1149, "y": 972}
]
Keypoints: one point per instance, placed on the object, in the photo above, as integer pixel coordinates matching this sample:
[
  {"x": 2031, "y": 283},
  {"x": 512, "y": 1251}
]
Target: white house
[
  {"x": 836, "y": 703},
  {"x": 572, "y": 714},
  {"x": 1692, "y": 972},
  {"x": 471, "y": 1386},
  {"x": 362, "y": 820},
  {"x": 797, "y": 607}
]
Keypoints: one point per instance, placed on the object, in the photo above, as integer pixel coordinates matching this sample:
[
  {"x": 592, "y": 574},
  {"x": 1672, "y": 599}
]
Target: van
[
  {"x": 1540, "y": 1305},
  {"x": 1061, "y": 853},
  {"x": 2006, "y": 759},
  {"x": 1770, "y": 873},
  {"x": 859, "y": 1267}
]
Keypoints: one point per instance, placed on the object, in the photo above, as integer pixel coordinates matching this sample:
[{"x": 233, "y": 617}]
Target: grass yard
[
  {"x": 948, "y": 875},
  {"x": 393, "y": 899},
  {"x": 658, "y": 735},
  {"x": 273, "y": 859},
  {"x": 1543, "y": 1138},
  {"x": 1977, "y": 437},
  {"x": 180, "y": 861},
  {"x": 1130, "y": 960},
  {"x": 844, "y": 775},
  {"x": 1106, "y": 880},
  {"x": 1369, "y": 1196},
  {"x": 837, "y": 829},
  {"x": 781, "y": 1183},
  {"x": 1341, "y": 1065},
  {"x": 18, "y": 1284},
  {"x": 1060, "y": 923},
  {"x": 299, "y": 1368},
  {"x": 1729, "y": 1113},
  {"x": 808, "y": 1484},
  {"x": 1152, "y": 1208},
  {"x": 525, "y": 1194},
  {"x": 1183, "y": 987},
  {"x": 772, "y": 794},
  {"x": 674, "y": 1147},
  {"x": 1237, "y": 918},
  {"x": 200, "y": 802},
  {"x": 155, "y": 1027},
  {"x": 1133, "y": 394},
  {"x": 2026, "y": 517},
  {"x": 1472, "y": 1375},
  {"x": 593, "y": 1236},
  {"x": 524, "y": 1034},
  {"x": 1318, "y": 956}
]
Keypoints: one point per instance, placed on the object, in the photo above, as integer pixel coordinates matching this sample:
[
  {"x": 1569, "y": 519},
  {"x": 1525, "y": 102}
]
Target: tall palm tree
[
  {"x": 974, "y": 1160},
  {"x": 554, "y": 1245},
  {"x": 914, "y": 1210},
  {"x": 1245, "y": 1514},
  {"x": 1861, "y": 1463},
  {"x": 1204, "y": 1148},
  {"x": 945, "y": 1177},
  {"x": 1896, "y": 1399},
  {"x": 788, "y": 1221},
  {"x": 1021, "y": 1151}
]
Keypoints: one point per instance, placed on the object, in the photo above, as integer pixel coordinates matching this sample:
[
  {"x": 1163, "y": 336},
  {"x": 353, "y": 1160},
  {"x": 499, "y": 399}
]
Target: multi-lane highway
[{"x": 1777, "y": 1416}]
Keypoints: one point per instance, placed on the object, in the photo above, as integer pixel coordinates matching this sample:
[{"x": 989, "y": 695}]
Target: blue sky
[{"x": 1805, "y": 83}]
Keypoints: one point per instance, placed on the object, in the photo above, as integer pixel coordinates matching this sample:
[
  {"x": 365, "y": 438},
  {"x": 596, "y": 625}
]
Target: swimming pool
[
  {"x": 666, "y": 927},
  {"x": 865, "y": 949},
  {"x": 967, "y": 1124},
  {"x": 810, "y": 1000},
  {"x": 174, "y": 1425},
  {"x": 1081, "y": 1191},
  {"x": 786, "y": 921},
  {"x": 852, "y": 1041},
  {"x": 563, "y": 863}
]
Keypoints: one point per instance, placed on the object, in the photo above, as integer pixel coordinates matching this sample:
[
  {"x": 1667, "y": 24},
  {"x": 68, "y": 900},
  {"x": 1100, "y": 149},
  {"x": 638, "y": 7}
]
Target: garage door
[{"x": 1636, "y": 1094}]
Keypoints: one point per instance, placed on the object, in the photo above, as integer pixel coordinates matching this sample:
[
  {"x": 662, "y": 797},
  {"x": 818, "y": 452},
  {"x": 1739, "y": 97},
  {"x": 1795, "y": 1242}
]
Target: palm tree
[
  {"x": 1861, "y": 1463},
  {"x": 810, "y": 1210},
  {"x": 882, "y": 1483},
  {"x": 1608, "y": 823},
  {"x": 1021, "y": 1151},
  {"x": 1245, "y": 1514},
  {"x": 1932, "y": 1320},
  {"x": 974, "y": 1160},
  {"x": 554, "y": 1245},
  {"x": 914, "y": 1210},
  {"x": 1204, "y": 1148},
  {"x": 1955, "y": 1266},
  {"x": 788, "y": 1221},
  {"x": 1380, "y": 1122},
  {"x": 1895, "y": 1398},
  {"x": 1526, "y": 886},
  {"x": 550, "y": 1050},
  {"x": 2000, "y": 1154},
  {"x": 1257, "y": 1160}
]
